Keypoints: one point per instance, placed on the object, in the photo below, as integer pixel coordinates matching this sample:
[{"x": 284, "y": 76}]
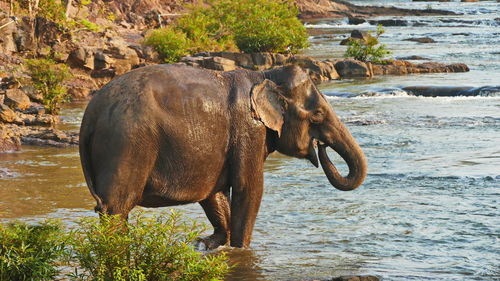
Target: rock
[
  {"x": 443, "y": 91},
  {"x": 8, "y": 82},
  {"x": 7, "y": 40},
  {"x": 356, "y": 35},
  {"x": 9, "y": 144},
  {"x": 390, "y": 22},
  {"x": 32, "y": 93},
  {"x": 81, "y": 86},
  {"x": 102, "y": 60},
  {"x": 218, "y": 63},
  {"x": 317, "y": 70},
  {"x": 401, "y": 67},
  {"x": 17, "y": 98},
  {"x": 350, "y": 68},
  {"x": 7, "y": 115},
  {"x": 262, "y": 61},
  {"x": 356, "y": 20},
  {"x": 421, "y": 40},
  {"x": 357, "y": 278},
  {"x": 82, "y": 57},
  {"x": 469, "y": 0},
  {"x": 280, "y": 59},
  {"x": 412, "y": 58},
  {"x": 107, "y": 74}
]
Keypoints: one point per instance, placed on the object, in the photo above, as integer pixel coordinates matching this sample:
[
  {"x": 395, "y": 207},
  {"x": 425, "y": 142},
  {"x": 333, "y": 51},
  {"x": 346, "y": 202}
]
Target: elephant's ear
[{"x": 268, "y": 104}]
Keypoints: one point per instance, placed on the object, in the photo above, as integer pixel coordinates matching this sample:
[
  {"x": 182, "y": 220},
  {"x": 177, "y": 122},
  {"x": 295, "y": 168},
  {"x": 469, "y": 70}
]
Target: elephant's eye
[{"x": 317, "y": 116}]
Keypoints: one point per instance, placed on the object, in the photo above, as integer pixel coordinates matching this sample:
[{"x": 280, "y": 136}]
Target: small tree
[
  {"x": 48, "y": 78},
  {"x": 369, "y": 49}
]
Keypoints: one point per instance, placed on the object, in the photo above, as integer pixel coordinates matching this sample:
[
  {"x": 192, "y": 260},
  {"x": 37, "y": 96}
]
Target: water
[{"x": 427, "y": 211}]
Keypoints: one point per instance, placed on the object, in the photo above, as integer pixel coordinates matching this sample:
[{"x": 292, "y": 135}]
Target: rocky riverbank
[{"x": 319, "y": 70}]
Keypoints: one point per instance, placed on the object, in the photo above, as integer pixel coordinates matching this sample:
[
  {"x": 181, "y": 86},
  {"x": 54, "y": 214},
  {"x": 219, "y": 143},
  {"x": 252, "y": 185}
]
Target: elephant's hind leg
[
  {"x": 121, "y": 179},
  {"x": 217, "y": 209}
]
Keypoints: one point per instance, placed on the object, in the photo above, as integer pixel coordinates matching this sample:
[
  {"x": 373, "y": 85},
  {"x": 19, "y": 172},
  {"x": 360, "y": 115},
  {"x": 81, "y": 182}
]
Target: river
[{"x": 429, "y": 208}]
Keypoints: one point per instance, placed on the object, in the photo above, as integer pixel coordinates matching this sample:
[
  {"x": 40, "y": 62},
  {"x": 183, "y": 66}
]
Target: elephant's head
[{"x": 288, "y": 102}]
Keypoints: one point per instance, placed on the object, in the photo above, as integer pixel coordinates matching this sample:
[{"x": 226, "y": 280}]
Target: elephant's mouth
[{"x": 311, "y": 154}]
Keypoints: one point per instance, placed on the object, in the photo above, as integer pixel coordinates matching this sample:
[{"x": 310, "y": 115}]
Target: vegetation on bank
[
  {"x": 29, "y": 252},
  {"x": 145, "y": 248},
  {"x": 47, "y": 77},
  {"x": 232, "y": 25},
  {"x": 369, "y": 49}
]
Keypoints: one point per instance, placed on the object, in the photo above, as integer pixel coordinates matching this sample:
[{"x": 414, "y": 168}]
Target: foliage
[
  {"x": 232, "y": 25},
  {"x": 52, "y": 9},
  {"x": 47, "y": 77},
  {"x": 146, "y": 248},
  {"x": 369, "y": 49},
  {"x": 169, "y": 43},
  {"x": 84, "y": 24},
  {"x": 28, "y": 252},
  {"x": 265, "y": 26}
]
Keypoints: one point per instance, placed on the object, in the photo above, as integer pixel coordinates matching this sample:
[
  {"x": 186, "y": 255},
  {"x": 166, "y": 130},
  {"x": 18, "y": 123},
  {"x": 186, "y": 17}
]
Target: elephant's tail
[{"x": 86, "y": 161}]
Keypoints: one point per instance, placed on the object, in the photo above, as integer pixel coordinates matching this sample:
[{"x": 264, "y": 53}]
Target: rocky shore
[{"x": 319, "y": 70}]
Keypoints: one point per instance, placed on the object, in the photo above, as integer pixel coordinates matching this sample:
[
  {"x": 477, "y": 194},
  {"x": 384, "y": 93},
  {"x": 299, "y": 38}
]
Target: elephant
[{"x": 172, "y": 134}]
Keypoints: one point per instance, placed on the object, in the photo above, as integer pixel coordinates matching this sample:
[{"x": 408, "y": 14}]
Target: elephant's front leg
[
  {"x": 247, "y": 189},
  {"x": 216, "y": 208}
]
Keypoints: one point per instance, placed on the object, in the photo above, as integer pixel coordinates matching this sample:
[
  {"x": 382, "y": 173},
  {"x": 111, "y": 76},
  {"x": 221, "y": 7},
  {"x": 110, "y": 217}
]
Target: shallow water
[{"x": 427, "y": 211}]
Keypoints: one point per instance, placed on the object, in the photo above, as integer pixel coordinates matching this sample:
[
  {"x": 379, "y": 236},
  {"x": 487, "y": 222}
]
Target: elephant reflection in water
[{"x": 167, "y": 135}]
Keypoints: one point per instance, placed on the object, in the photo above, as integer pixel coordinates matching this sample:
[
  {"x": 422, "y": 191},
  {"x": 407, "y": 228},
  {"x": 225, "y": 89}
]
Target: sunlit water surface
[{"x": 428, "y": 210}]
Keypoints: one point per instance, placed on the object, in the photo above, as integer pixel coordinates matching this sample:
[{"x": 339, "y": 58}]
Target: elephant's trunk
[{"x": 349, "y": 150}]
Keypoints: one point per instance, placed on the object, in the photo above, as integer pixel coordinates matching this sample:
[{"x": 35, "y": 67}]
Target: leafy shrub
[
  {"x": 169, "y": 43},
  {"x": 47, "y": 77},
  {"x": 28, "y": 252},
  {"x": 266, "y": 26},
  {"x": 154, "y": 248},
  {"x": 232, "y": 25},
  {"x": 52, "y": 9},
  {"x": 368, "y": 50}
]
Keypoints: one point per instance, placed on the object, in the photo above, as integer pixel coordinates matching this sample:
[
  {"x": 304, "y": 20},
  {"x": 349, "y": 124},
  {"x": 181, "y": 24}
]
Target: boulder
[
  {"x": 317, "y": 70},
  {"x": 412, "y": 58},
  {"x": 218, "y": 63},
  {"x": 350, "y": 68},
  {"x": 357, "y": 278},
  {"x": 356, "y": 35},
  {"x": 81, "y": 86},
  {"x": 262, "y": 61},
  {"x": 17, "y": 98},
  {"x": 421, "y": 40},
  {"x": 389, "y": 22},
  {"x": 356, "y": 20},
  {"x": 7, "y": 41},
  {"x": 82, "y": 57},
  {"x": 32, "y": 93},
  {"x": 7, "y": 115}
]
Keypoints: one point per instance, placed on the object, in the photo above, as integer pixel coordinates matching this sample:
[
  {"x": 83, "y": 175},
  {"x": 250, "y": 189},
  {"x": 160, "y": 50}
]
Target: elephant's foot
[{"x": 213, "y": 241}]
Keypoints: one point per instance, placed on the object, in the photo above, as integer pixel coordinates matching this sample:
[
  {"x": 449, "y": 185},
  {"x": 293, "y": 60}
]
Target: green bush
[
  {"x": 169, "y": 43},
  {"x": 266, "y": 26},
  {"x": 368, "y": 50},
  {"x": 28, "y": 252},
  {"x": 47, "y": 77},
  {"x": 146, "y": 248},
  {"x": 232, "y": 25}
]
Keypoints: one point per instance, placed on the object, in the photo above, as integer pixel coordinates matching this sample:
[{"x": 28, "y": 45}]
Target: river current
[{"x": 429, "y": 208}]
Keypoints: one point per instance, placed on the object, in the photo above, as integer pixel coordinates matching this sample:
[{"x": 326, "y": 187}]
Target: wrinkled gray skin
[{"x": 167, "y": 135}]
